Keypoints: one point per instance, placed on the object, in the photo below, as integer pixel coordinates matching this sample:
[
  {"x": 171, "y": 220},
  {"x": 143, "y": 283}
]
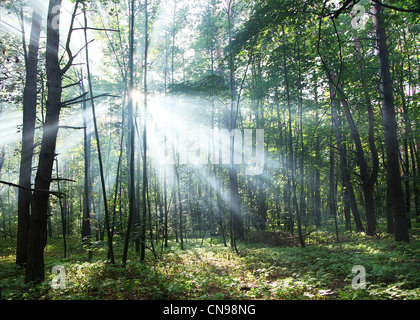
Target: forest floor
[{"x": 208, "y": 270}]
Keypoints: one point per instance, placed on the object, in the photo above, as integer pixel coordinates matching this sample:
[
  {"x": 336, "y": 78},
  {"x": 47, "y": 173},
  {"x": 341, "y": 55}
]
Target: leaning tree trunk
[
  {"x": 367, "y": 182},
  {"x": 390, "y": 129}
]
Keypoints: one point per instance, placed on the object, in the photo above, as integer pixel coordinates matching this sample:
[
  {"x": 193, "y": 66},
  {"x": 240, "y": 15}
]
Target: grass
[{"x": 322, "y": 270}]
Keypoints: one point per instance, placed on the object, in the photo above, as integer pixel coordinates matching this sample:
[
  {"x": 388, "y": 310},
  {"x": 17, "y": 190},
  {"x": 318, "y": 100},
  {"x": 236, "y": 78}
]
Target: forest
[{"x": 209, "y": 150}]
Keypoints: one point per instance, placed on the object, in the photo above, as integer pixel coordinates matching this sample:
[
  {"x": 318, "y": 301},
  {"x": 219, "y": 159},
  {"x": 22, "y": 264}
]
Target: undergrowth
[{"x": 321, "y": 270}]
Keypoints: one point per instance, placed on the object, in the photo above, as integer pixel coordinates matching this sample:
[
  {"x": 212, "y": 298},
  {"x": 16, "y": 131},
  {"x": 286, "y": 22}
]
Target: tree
[
  {"x": 98, "y": 143},
  {"x": 145, "y": 182},
  {"x": 131, "y": 134},
  {"x": 393, "y": 176},
  {"x": 40, "y": 198},
  {"x": 237, "y": 230},
  {"x": 28, "y": 132},
  {"x": 87, "y": 136}
]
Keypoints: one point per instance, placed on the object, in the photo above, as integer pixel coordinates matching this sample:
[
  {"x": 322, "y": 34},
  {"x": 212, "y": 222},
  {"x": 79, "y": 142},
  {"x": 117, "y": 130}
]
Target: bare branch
[
  {"x": 74, "y": 99},
  {"x": 55, "y": 193},
  {"x": 343, "y": 7},
  {"x": 97, "y": 29},
  {"x": 63, "y": 179},
  {"x": 71, "y": 85},
  {"x": 71, "y": 127},
  {"x": 68, "y": 50},
  {"x": 70, "y": 102}
]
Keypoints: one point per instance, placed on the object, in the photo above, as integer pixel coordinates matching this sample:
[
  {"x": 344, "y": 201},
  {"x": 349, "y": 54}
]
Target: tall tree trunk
[
  {"x": 131, "y": 135},
  {"x": 165, "y": 199},
  {"x": 288, "y": 140},
  {"x": 87, "y": 136},
  {"x": 390, "y": 130},
  {"x": 366, "y": 176},
  {"x": 235, "y": 201},
  {"x": 144, "y": 187},
  {"x": 317, "y": 178},
  {"x": 63, "y": 209},
  {"x": 40, "y": 198},
  {"x": 28, "y": 131},
  {"x": 302, "y": 203},
  {"x": 333, "y": 189},
  {"x": 416, "y": 170},
  {"x": 98, "y": 144},
  {"x": 173, "y": 45},
  {"x": 370, "y": 181}
]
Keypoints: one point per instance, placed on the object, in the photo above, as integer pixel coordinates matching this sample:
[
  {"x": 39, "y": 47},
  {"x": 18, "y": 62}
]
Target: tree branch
[
  {"x": 63, "y": 179},
  {"x": 97, "y": 29},
  {"x": 74, "y": 99},
  {"x": 69, "y": 102},
  {"x": 347, "y": 4},
  {"x": 71, "y": 85},
  {"x": 71, "y": 57},
  {"x": 55, "y": 193},
  {"x": 7, "y": 234},
  {"x": 343, "y": 7},
  {"x": 71, "y": 127},
  {"x": 397, "y": 9}
]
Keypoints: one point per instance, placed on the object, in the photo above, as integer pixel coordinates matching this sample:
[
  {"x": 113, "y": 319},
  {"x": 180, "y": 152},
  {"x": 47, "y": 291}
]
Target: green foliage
[
  {"x": 319, "y": 271},
  {"x": 207, "y": 85}
]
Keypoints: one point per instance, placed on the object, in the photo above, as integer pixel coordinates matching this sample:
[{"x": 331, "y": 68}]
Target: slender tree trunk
[
  {"x": 181, "y": 225},
  {"x": 317, "y": 178},
  {"x": 346, "y": 193},
  {"x": 333, "y": 189},
  {"x": 344, "y": 168},
  {"x": 144, "y": 187},
  {"x": 165, "y": 199},
  {"x": 235, "y": 201},
  {"x": 291, "y": 165},
  {"x": 63, "y": 209},
  {"x": 317, "y": 182},
  {"x": 98, "y": 144},
  {"x": 416, "y": 188},
  {"x": 370, "y": 180},
  {"x": 28, "y": 131},
  {"x": 367, "y": 177},
  {"x": 173, "y": 45},
  {"x": 390, "y": 130},
  {"x": 87, "y": 136},
  {"x": 302, "y": 203},
  {"x": 131, "y": 135},
  {"x": 288, "y": 140}
]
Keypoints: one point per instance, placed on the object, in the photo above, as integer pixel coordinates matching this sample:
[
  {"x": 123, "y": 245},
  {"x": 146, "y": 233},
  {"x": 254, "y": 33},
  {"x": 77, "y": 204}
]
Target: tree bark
[
  {"x": 87, "y": 136},
  {"x": 370, "y": 181},
  {"x": 28, "y": 132},
  {"x": 235, "y": 200},
  {"x": 131, "y": 135},
  {"x": 368, "y": 178},
  {"x": 40, "y": 199},
  {"x": 95, "y": 126},
  {"x": 317, "y": 178},
  {"x": 302, "y": 202},
  {"x": 390, "y": 130}
]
